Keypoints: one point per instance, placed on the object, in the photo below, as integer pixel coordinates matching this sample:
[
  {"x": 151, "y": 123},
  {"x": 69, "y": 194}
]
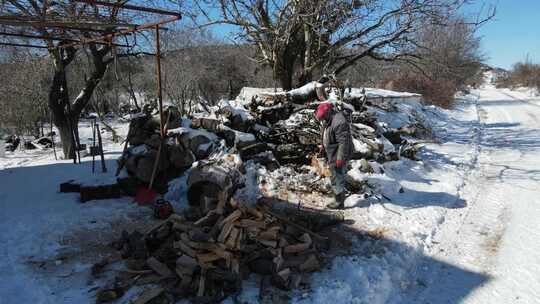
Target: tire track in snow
[{"x": 470, "y": 238}]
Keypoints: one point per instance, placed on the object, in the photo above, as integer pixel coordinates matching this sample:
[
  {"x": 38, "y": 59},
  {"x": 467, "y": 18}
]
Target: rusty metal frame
[
  {"x": 29, "y": 36},
  {"x": 130, "y": 7},
  {"x": 107, "y": 38},
  {"x": 81, "y": 25},
  {"x": 34, "y": 46}
]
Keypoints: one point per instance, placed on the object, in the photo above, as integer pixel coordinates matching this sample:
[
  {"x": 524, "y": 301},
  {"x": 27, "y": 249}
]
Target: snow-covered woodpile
[{"x": 272, "y": 129}]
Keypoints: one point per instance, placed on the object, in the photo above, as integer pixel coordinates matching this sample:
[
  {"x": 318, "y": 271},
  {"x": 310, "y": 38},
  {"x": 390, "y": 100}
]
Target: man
[{"x": 337, "y": 143}]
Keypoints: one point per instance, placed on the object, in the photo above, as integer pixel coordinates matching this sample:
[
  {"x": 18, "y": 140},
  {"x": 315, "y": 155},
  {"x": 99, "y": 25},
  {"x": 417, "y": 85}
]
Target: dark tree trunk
[
  {"x": 284, "y": 73},
  {"x": 304, "y": 78},
  {"x": 284, "y": 67},
  {"x": 66, "y": 114},
  {"x": 58, "y": 100},
  {"x": 285, "y": 79}
]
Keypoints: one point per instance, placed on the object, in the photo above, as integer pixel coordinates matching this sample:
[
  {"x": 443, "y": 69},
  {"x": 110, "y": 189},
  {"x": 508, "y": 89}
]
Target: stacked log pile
[
  {"x": 206, "y": 259},
  {"x": 272, "y": 129}
]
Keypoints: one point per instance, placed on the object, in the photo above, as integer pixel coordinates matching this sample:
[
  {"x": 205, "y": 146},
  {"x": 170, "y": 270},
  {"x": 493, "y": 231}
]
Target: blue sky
[{"x": 513, "y": 34}]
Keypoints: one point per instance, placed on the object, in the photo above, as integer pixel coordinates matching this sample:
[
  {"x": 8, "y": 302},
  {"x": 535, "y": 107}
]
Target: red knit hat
[{"x": 322, "y": 109}]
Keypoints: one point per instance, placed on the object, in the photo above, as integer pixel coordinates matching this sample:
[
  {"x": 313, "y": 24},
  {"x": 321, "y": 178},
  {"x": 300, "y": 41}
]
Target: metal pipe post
[{"x": 158, "y": 76}]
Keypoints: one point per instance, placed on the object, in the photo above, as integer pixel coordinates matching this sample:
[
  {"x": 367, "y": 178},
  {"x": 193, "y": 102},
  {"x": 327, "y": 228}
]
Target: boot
[{"x": 339, "y": 202}]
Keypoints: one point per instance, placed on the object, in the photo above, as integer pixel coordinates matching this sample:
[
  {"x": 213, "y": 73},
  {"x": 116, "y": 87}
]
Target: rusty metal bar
[
  {"x": 9, "y": 20},
  {"x": 55, "y": 38},
  {"x": 24, "y": 45},
  {"x": 124, "y": 32},
  {"x": 22, "y": 35},
  {"x": 131, "y": 7},
  {"x": 70, "y": 27}
]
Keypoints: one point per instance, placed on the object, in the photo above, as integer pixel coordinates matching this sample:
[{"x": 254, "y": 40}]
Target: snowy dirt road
[{"x": 497, "y": 234}]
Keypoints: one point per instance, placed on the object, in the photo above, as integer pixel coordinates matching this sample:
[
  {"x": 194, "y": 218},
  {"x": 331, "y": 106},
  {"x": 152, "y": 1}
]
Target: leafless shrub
[
  {"x": 439, "y": 92},
  {"x": 524, "y": 74},
  {"x": 449, "y": 60}
]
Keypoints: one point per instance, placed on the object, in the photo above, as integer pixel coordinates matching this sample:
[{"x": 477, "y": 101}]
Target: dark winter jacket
[{"x": 337, "y": 139}]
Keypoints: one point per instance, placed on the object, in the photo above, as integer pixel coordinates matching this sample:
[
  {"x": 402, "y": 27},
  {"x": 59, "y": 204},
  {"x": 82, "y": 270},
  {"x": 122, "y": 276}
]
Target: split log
[
  {"x": 225, "y": 231},
  {"x": 271, "y": 234},
  {"x": 159, "y": 267},
  {"x": 311, "y": 264},
  {"x": 185, "y": 248},
  {"x": 70, "y": 186},
  {"x": 300, "y": 247},
  {"x": 306, "y": 219},
  {"x": 89, "y": 193}
]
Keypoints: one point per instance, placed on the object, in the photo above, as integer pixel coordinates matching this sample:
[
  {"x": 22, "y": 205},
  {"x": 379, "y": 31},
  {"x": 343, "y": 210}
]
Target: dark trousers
[{"x": 338, "y": 178}]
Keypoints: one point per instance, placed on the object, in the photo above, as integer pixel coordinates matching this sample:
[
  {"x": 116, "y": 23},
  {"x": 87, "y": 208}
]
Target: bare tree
[
  {"x": 79, "y": 20},
  {"x": 329, "y": 36}
]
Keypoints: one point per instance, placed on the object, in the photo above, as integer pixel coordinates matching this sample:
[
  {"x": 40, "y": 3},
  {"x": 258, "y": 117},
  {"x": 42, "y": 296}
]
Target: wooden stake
[
  {"x": 100, "y": 143},
  {"x": 52, "y": 139},
  {"x": 93, "y": 145}
]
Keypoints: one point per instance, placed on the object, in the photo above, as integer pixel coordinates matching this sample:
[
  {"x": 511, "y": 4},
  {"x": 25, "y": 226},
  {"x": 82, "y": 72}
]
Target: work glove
[
  {"x": 320, "y": 152},
  {"x": 340, "y": 163}
]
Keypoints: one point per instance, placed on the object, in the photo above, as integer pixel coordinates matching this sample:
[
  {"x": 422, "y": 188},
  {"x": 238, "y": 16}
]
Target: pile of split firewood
[{"x": 207, "y": 259}]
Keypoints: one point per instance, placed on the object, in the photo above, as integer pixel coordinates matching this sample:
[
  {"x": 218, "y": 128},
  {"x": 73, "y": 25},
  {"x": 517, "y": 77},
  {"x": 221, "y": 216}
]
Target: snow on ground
[
  {"x": 457, "y": 226},
  {"x": 49, "y": 240},
  {"x": 496, "y": 235}
]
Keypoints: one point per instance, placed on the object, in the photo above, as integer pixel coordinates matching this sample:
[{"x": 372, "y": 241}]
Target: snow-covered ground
[
  {"x": 496, "y": 236},
  {"x": 457, "y": 226}
]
